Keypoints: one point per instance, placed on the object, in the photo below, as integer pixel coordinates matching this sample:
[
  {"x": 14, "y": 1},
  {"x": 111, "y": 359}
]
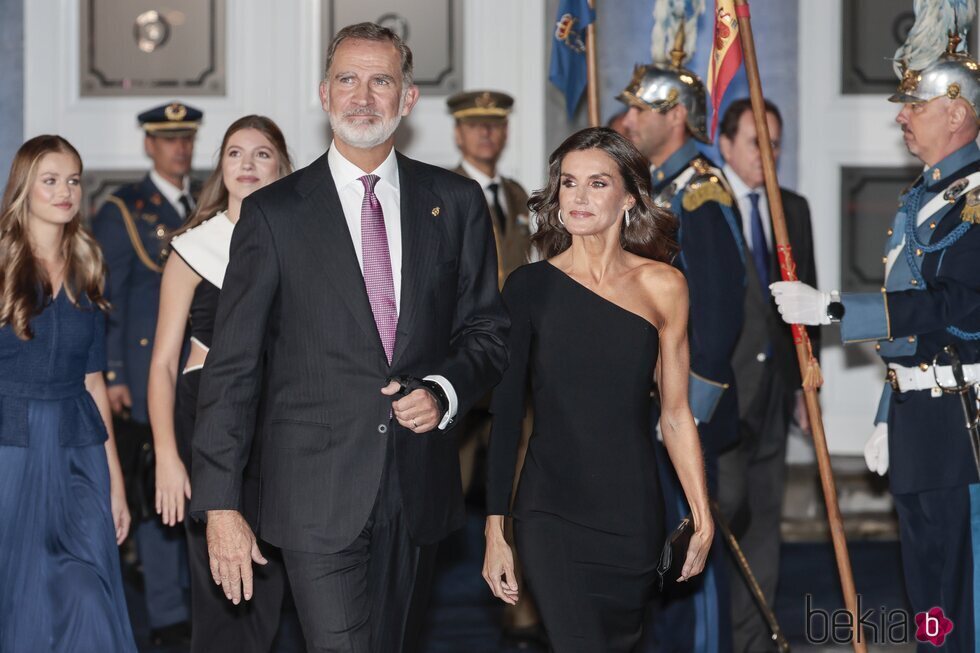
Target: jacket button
[
  {"x": 382, "y": 428},
  {"x": 890, "y": 232},
  {"x": 146, "y": 446},
  {"x": 144, "y": 342},
  {"x": 915, "y": 282},
  {"x": 877, "y": 347},
  {"x": 110, "y": 375},
  {"x": 911, "y": 338},
  {"x": 761, "y": 357}
]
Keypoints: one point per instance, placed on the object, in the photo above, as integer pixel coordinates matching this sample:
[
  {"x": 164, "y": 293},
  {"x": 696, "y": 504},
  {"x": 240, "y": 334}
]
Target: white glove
[
  {"x": 876, "y": 449},
  {"x": 799, "y": 303}
]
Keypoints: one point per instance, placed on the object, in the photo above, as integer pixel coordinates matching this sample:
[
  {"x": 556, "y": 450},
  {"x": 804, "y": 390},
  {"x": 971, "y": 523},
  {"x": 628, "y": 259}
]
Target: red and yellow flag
[{"x": 726, "y": 56}]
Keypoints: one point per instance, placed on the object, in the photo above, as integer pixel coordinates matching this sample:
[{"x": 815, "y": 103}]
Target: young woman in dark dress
[
  {"x": 592, "y": 326},
  {"x": 252, "y": 155},
  {"x": 62, "y": 504}
]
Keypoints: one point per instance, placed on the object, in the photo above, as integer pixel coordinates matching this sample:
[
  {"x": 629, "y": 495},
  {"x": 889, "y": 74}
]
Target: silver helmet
[
  {"x": 661, "y": 87},
  {"x": 953, "y": 75}
]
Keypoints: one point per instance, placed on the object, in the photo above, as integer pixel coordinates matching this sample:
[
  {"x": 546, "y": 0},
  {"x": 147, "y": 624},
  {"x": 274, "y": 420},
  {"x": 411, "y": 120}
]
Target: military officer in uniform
[
  {"x": 666, "y": 116},
  {"x": 931, "y": 299},
  {"x": 481, "y": 135},
  {"x": 133, "y": 227}
]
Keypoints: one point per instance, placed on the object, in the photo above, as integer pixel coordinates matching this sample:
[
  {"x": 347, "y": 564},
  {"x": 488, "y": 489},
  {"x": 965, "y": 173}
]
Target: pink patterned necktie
[{"x": 377, "y": 266}]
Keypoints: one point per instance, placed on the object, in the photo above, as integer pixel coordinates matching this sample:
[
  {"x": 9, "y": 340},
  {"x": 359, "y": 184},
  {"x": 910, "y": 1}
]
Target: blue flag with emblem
[{"x": 568, "y": 64}]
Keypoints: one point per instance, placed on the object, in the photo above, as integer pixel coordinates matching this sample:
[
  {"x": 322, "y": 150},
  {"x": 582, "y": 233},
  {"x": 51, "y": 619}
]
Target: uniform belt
[{"x": 924, "y": 377}]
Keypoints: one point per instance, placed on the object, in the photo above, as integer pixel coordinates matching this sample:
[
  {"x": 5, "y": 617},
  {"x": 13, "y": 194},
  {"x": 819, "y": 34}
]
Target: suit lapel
[
  {"x": 420, "y": 241},
  {"x": 325, "y": 228}
]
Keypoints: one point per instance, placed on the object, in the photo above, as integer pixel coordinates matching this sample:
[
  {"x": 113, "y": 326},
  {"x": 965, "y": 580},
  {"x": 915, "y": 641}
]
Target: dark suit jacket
[
  {"x": 294, "y": 290},
  {"x": 763, "y": 324}
]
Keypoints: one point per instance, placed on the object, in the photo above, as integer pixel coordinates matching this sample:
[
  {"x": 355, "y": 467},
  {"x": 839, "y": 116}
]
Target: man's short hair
[
  {"x": 729, "y": 122},
  {"x": 377, "y": 33}
]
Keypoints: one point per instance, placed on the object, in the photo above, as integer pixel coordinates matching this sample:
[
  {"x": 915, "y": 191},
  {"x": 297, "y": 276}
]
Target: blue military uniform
[
  {"x": 931, "y": 299},
  {"x": 696, "y": 615},
  {"x": 133, "y": 227}
]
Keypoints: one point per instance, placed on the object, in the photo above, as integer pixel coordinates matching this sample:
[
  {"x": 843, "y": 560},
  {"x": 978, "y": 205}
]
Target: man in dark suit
[
  {"x": 133, "y": 227},
  {"x": 365, "y": 265},
  {"x": 752, "y": 475}
]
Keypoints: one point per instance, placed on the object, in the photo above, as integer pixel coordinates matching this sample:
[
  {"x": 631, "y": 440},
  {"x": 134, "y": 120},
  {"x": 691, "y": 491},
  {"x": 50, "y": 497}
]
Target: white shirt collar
[
  {"x": 739, "y": 187},
  {"x": 171, "y": 192},
  {"x": 344, "y": 172},
  {"x": 478, "y": 176}
]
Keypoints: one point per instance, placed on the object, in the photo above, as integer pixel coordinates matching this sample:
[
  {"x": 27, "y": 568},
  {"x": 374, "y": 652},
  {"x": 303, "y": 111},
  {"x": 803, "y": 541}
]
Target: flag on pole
[
  {"x": 726, "y": 57},
  {"x": 568, "y": 63}
]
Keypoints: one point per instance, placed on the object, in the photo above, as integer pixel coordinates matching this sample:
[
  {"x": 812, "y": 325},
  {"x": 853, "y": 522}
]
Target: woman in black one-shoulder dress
[{"x": 592, "y": 326}]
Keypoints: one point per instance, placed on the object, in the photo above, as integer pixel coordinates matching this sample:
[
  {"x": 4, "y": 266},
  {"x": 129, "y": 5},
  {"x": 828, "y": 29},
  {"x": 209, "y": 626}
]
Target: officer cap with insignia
[
  {"x": 480, "y": 106},
  {"x": 174, "y": 120}
]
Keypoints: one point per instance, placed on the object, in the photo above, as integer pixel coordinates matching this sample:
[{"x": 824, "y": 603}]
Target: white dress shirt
[
  {"x": 346, "y": 177},
  {"x": 479, "y": 177},
  {"x": 172, "y": 193},
  {"x": 742, "y": 190}
]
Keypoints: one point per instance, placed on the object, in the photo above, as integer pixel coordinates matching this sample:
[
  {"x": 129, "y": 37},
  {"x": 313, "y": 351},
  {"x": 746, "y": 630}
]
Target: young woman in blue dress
[{"x": 62, "y": 504}]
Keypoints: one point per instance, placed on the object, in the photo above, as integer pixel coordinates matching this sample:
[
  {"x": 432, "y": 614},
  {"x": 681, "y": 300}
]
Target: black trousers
[
  {"x": 371, "y": 597},
  {"x": 751, "y": 484},
  {"x": 219, "y": 625},
  {"x": 937, "y": 558}
]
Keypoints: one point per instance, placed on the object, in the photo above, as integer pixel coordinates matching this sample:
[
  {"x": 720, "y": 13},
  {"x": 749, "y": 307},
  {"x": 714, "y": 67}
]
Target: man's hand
[
  {"x": 119, "y": 398},
  {"x": 418, "y": 412},
  {"x": 231, "y": 550},
  {"x": 800, "y": 304}
]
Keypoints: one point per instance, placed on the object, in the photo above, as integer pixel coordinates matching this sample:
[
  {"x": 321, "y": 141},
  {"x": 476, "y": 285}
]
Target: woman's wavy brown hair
[
  {"x": 214, "y": 193},
  {"x": 25, "y": 288},
  {"x": 652, "y": 232}
]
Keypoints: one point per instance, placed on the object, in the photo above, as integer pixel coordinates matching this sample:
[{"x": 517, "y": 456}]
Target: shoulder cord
[{"x": 912, "y": 243}]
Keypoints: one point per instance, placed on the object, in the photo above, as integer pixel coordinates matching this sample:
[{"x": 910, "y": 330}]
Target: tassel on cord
[
  {"x": 934, "y": 20},
  {"x": 668, "y": 16}
]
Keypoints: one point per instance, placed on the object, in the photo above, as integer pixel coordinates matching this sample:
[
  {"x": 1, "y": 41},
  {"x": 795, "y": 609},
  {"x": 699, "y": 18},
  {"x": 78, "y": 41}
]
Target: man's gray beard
[{"x": 366, "y": 135}]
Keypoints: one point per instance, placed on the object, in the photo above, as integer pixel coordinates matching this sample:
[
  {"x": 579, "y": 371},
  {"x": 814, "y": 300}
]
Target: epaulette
[
  {"x": 971, "y": 210},
  {"x": 128, "y": 192},
  {"x": 707, "y": 185}
]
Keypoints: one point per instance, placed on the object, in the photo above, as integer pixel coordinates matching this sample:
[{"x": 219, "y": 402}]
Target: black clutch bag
[{"x": 675, "y": 552}]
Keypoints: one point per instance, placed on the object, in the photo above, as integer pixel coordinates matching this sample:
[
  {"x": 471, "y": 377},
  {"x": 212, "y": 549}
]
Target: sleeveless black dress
[{"x": 588, "y": 509}]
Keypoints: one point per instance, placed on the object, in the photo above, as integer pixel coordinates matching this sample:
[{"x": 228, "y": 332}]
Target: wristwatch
[
  {"x": 835, "y": 309},
  {"x": 438, "y": 394}
]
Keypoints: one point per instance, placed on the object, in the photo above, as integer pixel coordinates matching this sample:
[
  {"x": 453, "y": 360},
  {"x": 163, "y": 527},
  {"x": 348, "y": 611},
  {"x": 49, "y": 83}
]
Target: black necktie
[
  {"x": 498, "y": 209},
  {"x": 186, "y": 203}
]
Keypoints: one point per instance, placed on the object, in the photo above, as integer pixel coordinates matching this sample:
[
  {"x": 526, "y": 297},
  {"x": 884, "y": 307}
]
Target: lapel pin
[{"x": 435, "y": 211}]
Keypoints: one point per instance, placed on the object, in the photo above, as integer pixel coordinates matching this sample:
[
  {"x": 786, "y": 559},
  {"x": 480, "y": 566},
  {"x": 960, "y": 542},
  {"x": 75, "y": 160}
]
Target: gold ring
[{"x": 415, "y": 424}]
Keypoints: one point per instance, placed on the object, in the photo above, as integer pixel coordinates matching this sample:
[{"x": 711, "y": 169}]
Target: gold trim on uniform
[
  {"x": 700, "y": 191},
  {"x": 134, "y": 236},
  {"x": 971, "y": 212}
]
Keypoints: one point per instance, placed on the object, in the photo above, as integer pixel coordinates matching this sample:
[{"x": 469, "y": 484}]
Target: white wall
[{"x": 274, "y": 64}]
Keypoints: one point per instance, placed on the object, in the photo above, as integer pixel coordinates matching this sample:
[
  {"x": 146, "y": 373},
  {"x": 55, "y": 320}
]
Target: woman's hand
[
  {"x": 173, "y": 485},
  {"x": 120, "y": 511},
  {"x": 498, "y": 562},
  {"x": 697, "y": 550}
]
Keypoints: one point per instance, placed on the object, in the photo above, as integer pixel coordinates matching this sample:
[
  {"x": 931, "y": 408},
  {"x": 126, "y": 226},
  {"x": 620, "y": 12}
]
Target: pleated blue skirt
[{"x": 60, "y": 581}]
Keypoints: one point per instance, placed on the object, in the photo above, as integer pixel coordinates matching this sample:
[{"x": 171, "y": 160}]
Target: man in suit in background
[
  {"x": 363, "y": 267},
  {"x": 133, "y": 227},
  {"x": 752, "y": 475},
  {"x": 481, "y": 136}
]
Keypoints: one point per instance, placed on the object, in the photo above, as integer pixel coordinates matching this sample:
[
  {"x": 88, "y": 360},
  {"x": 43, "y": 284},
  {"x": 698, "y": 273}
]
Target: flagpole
[
  {"x": 592, "y": 88},
  {"x": 809, "y": 368}
]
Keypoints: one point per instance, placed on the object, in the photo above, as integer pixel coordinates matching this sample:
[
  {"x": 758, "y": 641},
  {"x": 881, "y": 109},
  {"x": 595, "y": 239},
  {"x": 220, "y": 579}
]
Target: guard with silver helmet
[
  {"x": 925, "y": 322},
  {"x": 666, "y": 115}
]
